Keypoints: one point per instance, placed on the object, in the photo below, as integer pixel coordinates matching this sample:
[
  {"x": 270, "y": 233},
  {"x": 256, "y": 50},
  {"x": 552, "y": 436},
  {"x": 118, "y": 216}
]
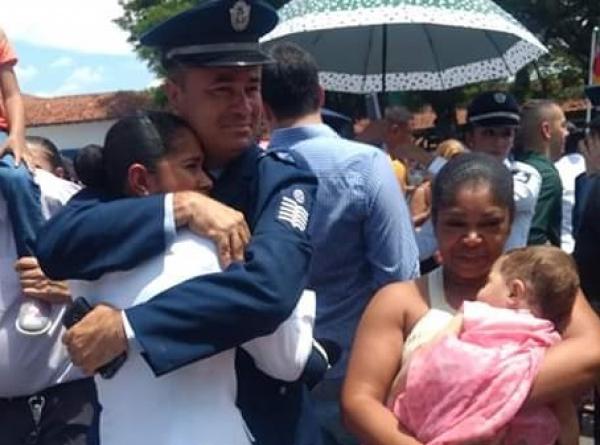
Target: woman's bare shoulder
[
  {"x": 404, "y": 300},
  {"x": 407, "y": 291}
]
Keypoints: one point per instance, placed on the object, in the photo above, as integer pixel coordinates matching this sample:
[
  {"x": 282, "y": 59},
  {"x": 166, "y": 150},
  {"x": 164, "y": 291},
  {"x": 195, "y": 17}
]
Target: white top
[
  {"x": 434, "y": 320},
  {"x": 569, "y": 167},
  {"x": 194, "y": 404},
  {"x": 425, "y": 329},
  {"x": 30, "y": 363},
  {"x": 526, "y": 183}
]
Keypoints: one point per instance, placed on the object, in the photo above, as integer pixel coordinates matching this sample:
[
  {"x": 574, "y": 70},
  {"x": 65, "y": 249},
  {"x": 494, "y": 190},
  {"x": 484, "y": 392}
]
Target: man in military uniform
[
  {"x": 493, "y": 118},
  {"x": 212, "y": 60},
  {"x": 541, "y": 142}
]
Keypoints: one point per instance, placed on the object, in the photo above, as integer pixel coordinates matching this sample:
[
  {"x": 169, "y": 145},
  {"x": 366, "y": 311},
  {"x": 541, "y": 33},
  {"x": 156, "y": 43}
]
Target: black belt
[
  {"x": 50, "y": 391},
  {"x": 37, "y": 401}
]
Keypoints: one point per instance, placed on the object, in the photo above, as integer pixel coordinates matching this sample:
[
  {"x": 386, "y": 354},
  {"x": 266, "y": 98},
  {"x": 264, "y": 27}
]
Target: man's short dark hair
[
  {"x": 397, "y": 114},
  {"x": 290, "y": 86}
]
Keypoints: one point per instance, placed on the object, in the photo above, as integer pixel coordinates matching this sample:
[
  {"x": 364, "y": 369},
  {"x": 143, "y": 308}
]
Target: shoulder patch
[{"x": 292, "y": 210}]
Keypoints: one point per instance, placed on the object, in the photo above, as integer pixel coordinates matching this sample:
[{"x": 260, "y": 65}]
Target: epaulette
[
  {"x": 520, "y": 175},
  {"x": 281, "y": 155}
]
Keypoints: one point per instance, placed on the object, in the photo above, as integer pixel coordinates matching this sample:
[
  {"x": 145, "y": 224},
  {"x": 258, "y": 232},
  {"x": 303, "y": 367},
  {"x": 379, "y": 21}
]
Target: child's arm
[
  {"x": 565, "y": 412},
  {"x": 573, "y": 364},
  {"x": 15, "y": 110}
]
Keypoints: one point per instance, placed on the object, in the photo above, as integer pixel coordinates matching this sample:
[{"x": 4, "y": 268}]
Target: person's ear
[
  {"x": 518, "y": 294},
  {"x": 59, "y": 172},
  {"x": 139, "y": 182},
  {"x": 546, "y": 130},
  {"x": 174, "y": 93}
]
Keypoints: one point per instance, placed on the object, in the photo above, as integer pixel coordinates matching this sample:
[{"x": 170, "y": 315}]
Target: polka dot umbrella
[{"x": 367, "y": 46}]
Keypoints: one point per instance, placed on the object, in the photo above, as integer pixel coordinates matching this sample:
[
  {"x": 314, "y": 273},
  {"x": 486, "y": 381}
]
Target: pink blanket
[{"x": 473, "y": 387}]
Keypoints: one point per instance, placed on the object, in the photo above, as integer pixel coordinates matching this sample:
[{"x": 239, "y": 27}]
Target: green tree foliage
[
  {"x": 565, "y": 27},
  {"x": 141, "y": 15}
]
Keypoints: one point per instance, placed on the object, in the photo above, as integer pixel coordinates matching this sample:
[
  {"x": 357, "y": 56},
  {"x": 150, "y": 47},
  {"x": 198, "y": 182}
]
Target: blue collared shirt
[{"x": 361, "y": 229}]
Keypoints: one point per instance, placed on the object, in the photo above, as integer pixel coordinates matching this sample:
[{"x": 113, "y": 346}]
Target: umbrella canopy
[{"x": 365, "y": 46}]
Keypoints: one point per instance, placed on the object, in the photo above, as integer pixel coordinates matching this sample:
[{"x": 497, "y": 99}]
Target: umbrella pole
[{"x": 382, "y": 95}]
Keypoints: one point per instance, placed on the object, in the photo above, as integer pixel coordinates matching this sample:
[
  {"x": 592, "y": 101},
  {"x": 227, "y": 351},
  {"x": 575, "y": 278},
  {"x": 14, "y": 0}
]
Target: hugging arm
[
  {"x": 573, "y": 364},
  {"x": 94, "y": 234},
  {"x": 374, "y": 362}
]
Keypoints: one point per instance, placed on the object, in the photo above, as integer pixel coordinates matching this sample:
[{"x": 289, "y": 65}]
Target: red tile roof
[
  {"x": 97, "y": 107},
  {"x": 83, "y": 108}
]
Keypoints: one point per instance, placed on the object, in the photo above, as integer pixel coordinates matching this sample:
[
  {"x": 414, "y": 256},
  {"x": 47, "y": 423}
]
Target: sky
[{"x": 71, "y": 47}]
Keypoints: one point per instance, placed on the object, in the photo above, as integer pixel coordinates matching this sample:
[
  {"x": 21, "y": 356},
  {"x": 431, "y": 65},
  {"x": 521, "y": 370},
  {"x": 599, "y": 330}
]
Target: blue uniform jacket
[
  {"x": 587, "y": 235},
  {"x": 211, "y": 313}
]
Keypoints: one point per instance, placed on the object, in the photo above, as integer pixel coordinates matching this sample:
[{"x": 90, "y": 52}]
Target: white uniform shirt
[
  {"x": 569, "y": 167},
  {"x": 526, "y": 184},
  {"x": 30, "y": 363},
  {"x": 194, "y": 404}
]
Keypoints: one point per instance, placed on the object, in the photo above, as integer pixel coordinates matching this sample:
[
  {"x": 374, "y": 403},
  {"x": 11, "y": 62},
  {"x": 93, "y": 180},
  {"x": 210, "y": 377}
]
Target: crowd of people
[{"x": 310, "y": 290}]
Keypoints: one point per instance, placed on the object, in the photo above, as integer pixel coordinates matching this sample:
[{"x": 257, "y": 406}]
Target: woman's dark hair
[
  {"x": 141, "y": 139},
  {"x": 472, "y": 169}
]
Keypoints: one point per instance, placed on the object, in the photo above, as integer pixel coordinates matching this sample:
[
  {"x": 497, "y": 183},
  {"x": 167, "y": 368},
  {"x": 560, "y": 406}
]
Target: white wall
[{"x": 71, "y": 136}]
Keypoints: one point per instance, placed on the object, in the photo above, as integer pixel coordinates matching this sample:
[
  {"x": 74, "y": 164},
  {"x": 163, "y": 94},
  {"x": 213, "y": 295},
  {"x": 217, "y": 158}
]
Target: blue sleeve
[
  {"x": 212, "y": 313},
  {"x": 22, "y": 196},
  {"x": 582, "y": 186},
  {"x": 391, "y": 247},
  {"x": 93, "y": 234}
]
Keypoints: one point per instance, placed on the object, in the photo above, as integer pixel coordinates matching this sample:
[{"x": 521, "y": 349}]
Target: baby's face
[{"x": 496, "y": 292}]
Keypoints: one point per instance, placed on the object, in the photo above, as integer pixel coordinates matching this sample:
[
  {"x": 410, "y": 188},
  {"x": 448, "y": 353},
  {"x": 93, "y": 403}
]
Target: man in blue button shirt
[{"x": 362, "y": 234}]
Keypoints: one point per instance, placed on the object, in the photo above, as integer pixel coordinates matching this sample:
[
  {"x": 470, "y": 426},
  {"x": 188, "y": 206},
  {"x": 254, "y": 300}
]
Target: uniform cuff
[
  {"x": 170, "y": 227},
  {"x": 131, "y": 341}
]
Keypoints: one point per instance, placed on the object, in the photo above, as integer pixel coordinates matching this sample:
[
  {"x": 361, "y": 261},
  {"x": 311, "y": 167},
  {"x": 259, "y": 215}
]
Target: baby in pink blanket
[{"x": 469, "y": 384}]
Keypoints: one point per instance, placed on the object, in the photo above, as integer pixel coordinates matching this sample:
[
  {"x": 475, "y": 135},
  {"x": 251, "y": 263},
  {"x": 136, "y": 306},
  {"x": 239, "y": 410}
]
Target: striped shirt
[{"x": 361, "y": 229}]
